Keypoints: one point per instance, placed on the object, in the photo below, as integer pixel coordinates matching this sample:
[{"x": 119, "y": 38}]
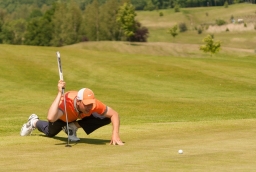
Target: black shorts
[{"x": 89, "y": 124}]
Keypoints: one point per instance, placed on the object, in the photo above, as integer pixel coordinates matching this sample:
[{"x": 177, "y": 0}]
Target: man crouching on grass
[{"x": 83, "y": 111}]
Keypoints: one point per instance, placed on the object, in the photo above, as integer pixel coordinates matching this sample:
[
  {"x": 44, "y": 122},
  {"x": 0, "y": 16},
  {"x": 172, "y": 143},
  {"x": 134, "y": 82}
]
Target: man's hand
[
  {"x": 54, "y": 113},
  {"x": 61, "y": 85},
  {"x": 116, "y": 141},
  {"x": 113, "y": 115}
]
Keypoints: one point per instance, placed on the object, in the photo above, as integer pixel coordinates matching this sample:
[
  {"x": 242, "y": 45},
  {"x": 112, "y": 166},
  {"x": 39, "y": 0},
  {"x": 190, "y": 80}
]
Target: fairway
[{"x": 202, "y": 104}]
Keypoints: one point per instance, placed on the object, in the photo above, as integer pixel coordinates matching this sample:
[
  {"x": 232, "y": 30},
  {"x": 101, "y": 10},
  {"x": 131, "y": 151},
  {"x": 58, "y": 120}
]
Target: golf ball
[{"x": 180, "y": 151}]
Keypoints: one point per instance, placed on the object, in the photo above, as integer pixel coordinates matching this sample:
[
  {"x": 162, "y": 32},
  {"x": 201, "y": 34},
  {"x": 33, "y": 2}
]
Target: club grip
[{"x": 59, "y": 65}]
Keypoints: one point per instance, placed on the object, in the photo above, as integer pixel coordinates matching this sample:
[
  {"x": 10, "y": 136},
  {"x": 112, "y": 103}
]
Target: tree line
[
  {"x": 13, "y": 5},
  {"x": 65, "y": 23}
]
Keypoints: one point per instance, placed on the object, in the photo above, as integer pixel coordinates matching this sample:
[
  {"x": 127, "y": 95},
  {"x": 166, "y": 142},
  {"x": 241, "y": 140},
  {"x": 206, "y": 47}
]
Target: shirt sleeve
[{"x": 100, "y": 108}]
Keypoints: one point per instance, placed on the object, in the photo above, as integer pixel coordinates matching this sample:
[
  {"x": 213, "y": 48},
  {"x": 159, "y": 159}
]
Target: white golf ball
[{"x": 180, "y": 151}]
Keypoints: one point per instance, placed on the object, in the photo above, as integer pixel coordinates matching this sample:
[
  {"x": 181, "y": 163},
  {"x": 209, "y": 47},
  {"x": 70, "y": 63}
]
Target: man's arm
[
  {"x": 54, "y": 113},
  {"x": 113, "y": 115}
]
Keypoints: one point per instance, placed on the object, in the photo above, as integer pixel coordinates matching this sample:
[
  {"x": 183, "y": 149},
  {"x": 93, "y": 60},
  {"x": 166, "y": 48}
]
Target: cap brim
[{"x": 89, "y": 101}]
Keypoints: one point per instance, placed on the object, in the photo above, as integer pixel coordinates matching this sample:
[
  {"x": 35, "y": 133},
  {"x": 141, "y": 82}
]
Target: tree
[
  {"x": 109, "y": 28},
  {"x": 177, "y": 8},
  {"x": 13, "y": 32},
  {"x": 19, "y": 28},
  {"x": 226, "y": 4},
  {"x": 126, "y": 18},
  {"x": 183, "y": 27},
  {"x": 35, "y": 13},
  {"x": 6, "y": 35},
  {"x": 139, "y": 4},
  {"x": 39, "y": 32},
  {"x": 60, "y": 24},
  {"x": 75, "y": 20},
  {"x": 1, "y": 25},
  {"x": 2, "y": 18},
  {"x": 210, "y": 45},
  {"x": 141, "y": 33},
  {"x": 67, "y": 22},
  {"x": 149, "y": 6},
  {"x": 92, "y": 28},
  {"x": 173, "y": 31}
]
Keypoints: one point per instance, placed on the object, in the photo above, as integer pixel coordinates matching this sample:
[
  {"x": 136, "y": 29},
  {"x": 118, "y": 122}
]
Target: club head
[{"x": 67, "y": 145}]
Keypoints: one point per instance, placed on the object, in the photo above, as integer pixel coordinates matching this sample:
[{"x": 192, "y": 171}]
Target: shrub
[
  {"x": 210, "y": 46},
  {"x": 84, "y": 39},
  {"x": 227, "y": 29},
  {"x": 176, "y": 8},
  {"x": 245, "y": 25},
  {"x": 183, "y": 27},
  {"x": 150, "y": 6},
  {"x": 232, "y": 19},
  {"x": 173, "y": 31},
  {"x": 199, "y": 30},
  {"x": 220, "y": 22},
  {"x": 226, "y": 4},
  {"x": 141, "y": 33},
  {"x": 161, "y": 14}
]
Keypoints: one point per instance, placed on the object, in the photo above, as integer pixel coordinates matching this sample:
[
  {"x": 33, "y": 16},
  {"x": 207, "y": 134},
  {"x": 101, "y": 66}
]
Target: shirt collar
[{"x": 75, "y": 100}]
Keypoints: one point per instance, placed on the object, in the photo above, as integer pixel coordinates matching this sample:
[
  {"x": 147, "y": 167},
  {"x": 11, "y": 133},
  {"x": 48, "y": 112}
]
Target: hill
[{"x": 238, "y": 35}]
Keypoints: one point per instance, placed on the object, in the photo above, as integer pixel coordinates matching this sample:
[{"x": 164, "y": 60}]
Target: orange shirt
[{"x": 73, "y": 114}]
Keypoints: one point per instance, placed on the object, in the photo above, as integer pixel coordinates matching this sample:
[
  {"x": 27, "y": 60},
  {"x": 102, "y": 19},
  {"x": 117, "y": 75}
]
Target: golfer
[{"x": 83, "y": 111}]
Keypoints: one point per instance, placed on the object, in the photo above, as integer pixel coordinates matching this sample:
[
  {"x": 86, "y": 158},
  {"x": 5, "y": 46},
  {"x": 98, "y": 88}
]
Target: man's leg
[
  {"x": 91, "y": 123},
  {"x": 50, "y": 129}
]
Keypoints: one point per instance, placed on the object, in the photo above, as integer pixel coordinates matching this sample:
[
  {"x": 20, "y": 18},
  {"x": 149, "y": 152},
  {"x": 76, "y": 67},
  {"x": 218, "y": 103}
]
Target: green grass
[
  {"x": 204, "y": 105},
  {"x": 208, "y": 146},
  {"x": 169, "y": 96}
]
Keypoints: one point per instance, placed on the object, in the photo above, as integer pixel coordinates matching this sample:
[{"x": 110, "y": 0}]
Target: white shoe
[
  {"x": 72, "y": 132},
  {"x": 27, "y": 128}
]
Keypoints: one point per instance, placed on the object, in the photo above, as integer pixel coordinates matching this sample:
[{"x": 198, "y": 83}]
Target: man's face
[{"x": 84, "y": 108}]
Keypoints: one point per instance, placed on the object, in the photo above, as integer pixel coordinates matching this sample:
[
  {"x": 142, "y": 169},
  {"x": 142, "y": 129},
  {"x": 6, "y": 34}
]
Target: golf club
[{"x": 63, "y": 91}]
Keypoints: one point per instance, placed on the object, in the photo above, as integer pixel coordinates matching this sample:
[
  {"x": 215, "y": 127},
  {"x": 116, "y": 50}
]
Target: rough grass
[
  {"x": 205, "y": 18},
  {"x": 197, "y": 16}
]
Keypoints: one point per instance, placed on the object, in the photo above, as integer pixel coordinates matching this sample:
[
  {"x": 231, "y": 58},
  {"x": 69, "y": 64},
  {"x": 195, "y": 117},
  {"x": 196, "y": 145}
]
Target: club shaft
[{"x": 63, "y": 92}]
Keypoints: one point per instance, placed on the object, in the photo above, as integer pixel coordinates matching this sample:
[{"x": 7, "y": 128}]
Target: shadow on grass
[
  {"x": 133, "y": 44},
  {"x": 82, "y": 140}
]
